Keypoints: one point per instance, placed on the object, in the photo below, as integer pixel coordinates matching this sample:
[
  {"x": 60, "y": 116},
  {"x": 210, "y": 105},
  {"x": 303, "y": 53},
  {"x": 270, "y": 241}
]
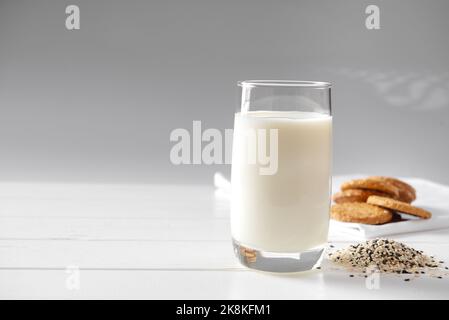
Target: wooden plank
[
  {"x": 109, "y": 201},
  {"x": 192, "y": 229},
  {"x": 210, "y": 255},
  {"x": 125, "y": 284},
  {"x": 58, "y": 254}
]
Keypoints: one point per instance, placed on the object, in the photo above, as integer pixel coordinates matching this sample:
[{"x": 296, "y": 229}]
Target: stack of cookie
[{"x": 375, "y": 200}]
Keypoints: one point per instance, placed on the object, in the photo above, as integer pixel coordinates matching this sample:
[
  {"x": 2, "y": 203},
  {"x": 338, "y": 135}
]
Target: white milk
[{"x": 289, "y": 210}]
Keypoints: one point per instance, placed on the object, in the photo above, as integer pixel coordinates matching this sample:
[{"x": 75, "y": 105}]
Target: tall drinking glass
[{"x": 281, "y": 174}]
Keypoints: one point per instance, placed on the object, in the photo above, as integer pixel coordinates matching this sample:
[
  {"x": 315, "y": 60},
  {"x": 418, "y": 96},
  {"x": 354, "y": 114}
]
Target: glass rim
[{"x": 285, "y": 83}]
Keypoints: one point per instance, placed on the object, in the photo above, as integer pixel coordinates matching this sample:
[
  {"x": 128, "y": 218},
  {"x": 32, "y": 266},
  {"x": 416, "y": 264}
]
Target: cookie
[
  {"x": 359, "y": 212},
  {"x": 399, "y": 206},
  {"x": 372, "y": 184},
  {"x": 356, "y": 195},
  {"x": 406, "y": 192}
]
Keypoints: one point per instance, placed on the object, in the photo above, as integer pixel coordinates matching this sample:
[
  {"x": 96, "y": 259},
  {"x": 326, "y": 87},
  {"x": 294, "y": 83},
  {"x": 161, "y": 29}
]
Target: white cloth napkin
[{"x": 431, "y": 196}]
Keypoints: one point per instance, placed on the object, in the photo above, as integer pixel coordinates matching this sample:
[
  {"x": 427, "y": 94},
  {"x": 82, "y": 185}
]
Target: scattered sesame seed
[{"x": 383, "y": 255}]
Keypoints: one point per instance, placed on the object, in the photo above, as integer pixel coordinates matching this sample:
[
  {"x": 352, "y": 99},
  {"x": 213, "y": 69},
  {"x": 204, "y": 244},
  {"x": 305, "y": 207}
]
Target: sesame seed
[{"x": 383, "y": 255}]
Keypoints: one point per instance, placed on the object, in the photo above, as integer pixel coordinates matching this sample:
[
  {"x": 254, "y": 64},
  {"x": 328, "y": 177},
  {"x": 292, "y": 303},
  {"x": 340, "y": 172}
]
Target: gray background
[{"x": 98, "y": 104}]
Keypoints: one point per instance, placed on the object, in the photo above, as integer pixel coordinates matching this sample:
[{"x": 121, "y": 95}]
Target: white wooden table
[{"x": 159, "y": 242}]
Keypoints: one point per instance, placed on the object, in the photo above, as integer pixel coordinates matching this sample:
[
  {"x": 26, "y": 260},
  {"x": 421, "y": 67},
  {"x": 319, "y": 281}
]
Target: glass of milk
[{"x": 281, "y": 174}]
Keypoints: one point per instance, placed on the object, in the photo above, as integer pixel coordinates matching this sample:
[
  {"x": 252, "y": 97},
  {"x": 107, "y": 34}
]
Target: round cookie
[
  {"x": 359, "y": 212},
  {"x": 400, "y": 206},
  {"x": 372, "y": 184},
  {"x": 406, "y": 192},
  {"x": 356, "y": 195}
]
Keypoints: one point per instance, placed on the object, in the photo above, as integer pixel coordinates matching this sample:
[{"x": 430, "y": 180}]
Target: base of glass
[{"x": 278, "y": 262}]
